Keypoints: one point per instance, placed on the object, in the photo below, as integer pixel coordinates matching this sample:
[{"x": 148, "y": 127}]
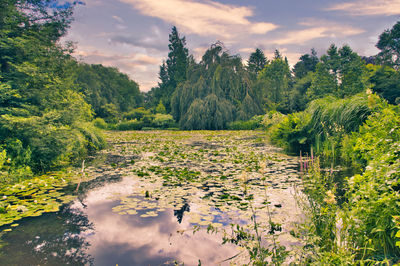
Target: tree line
[
  {"x": 47, "y": 98},
  {"x": 220, "y": 89}
]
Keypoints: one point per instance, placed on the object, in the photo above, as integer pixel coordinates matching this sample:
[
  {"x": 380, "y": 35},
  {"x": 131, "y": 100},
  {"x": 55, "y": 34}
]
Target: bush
[
  {"x": 254, "y": 123},
  {"x": 44, "y": 145},
  {"x": 129, "y": 125},
  {"x": 100, "y": 123},
  {"x": 365, "y": 223},
  {"x": 137, "y": 114},
  {"x": 94, "y": 139},
  {"x": 243, "y": 125},
  {"x": 292, "y": 133},
  {"x": 109, "y": 112},
  {"x": 163, "y": 121},
  {"x": 323, "y": 125},
  {"x": 272, "y": 118}
]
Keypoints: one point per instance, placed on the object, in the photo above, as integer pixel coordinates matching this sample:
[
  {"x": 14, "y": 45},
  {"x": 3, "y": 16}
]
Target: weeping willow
[{"x": 217, "y": 91}]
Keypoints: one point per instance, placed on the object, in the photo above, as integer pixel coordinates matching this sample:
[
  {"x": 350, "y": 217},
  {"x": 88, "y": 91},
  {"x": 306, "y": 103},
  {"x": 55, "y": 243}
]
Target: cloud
[
  {"x": 148, "y": 42},
  {"x": 262, "y": 28},
  {"x": 247, "y": 50},
  {"x": 154, "y": 40},
  {"x": 119, "y": 19},
  {"x": 199, "y": 52},
  {"x": 369, "y": 8},
  {"x": 204, "y": 18},
  {"x": 325, "y": 29},
  {"x": 138, "y": 66}
]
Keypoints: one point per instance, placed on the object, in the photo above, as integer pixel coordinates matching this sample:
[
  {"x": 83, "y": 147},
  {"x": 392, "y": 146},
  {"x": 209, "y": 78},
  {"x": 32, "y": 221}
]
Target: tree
[
  {"x": 106, "y": 85},
  {"x": 160, "y": 109},
  {"x": 276, "y": 79},
  {"x": 386, "y": 82},
  {"x": 307, "y": 63},
  {"x": 177, "y": 61},
  {"x": 173, "y": 71},
  {"x": 217, "y": 91},
  {"x": 323, "y": 83},
  {"x": 209, "y": 113},
  {"x": 341, "y": 71},
  {"x": 352, "y": 71},
  {"x": 42, "y": 112},
  {"x": 389, "y": 44},
  {"x": 256, "y": 62}
]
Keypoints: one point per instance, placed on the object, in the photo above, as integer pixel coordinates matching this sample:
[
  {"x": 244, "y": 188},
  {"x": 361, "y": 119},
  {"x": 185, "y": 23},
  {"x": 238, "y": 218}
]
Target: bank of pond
[{"x": 174, "y": 197}]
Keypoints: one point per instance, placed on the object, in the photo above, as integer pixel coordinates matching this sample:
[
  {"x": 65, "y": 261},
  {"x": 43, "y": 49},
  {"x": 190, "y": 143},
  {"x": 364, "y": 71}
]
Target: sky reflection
[{"x": 133, "y": 240}]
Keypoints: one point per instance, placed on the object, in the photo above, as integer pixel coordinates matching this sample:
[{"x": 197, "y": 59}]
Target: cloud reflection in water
[{"x": 132, "y": 240}]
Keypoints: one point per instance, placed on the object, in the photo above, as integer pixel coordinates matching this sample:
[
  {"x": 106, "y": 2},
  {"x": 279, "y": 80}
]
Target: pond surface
[{"x": 153, "y": 196}]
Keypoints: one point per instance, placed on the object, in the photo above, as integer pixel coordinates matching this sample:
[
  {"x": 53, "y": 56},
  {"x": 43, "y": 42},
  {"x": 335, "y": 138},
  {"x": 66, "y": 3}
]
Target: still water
[{"x": 153, "y": 195}]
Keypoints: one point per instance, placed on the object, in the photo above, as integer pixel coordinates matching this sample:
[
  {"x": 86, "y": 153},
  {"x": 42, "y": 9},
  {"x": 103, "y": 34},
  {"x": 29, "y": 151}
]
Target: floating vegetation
[
  {"x": 207, "y": 177},
  {"x": 173, "y": 184},
  {"x": 34, "y": 197}
]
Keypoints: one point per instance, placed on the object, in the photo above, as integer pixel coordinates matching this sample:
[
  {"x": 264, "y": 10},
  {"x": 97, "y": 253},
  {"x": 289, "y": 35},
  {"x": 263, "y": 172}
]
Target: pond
[{"x": 154, "y": 194}]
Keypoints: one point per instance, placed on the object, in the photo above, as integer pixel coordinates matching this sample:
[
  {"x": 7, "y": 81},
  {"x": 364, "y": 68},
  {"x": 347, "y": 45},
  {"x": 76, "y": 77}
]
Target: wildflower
[
  {"x": 263, "y": 167},
  {"x": 243, "y": 176},
  {"x": 330, "y": 197}
]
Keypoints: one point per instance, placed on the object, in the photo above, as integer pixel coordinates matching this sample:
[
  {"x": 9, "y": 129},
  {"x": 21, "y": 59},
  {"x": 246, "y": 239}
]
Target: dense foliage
[
  {"x": 341, "y": 107},
  {"x": 222, "y": 89},
  {"x": 107, "y": 90},
  {"x": 362, "y": 228},
  {"x": 353, "y": 220},
  {"x": 172, "y": 72},
  {"x": 216, "y": 92},
  {"x": 44, "y": 119}
]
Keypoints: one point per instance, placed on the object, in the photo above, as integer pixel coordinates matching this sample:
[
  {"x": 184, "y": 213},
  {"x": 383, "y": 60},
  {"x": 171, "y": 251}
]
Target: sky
[{"x": 132, "y": 35}]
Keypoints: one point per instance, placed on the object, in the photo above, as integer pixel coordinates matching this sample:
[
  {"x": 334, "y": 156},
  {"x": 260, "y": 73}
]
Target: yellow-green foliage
[
  {"x": 100, "y": 123},
  {"x": 291, "y": 132},
  {"x": 365, "y": 224},
  {"x": 3, "y": 157},
  {"x": 163, "y": 121},
  {"x": 272, "y": 118},
  {"x": 323, "y": 125},
  {"x": 374, "y": 196}
]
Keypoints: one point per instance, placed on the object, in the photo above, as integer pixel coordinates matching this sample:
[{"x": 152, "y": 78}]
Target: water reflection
[
  {"x": 87, "y": 232},
  {"x": 133, "y": 240},
  {"x": 179, "y": 213},
  {"x": 147, "y": 217},
  {"x": 51, "y": 239}
]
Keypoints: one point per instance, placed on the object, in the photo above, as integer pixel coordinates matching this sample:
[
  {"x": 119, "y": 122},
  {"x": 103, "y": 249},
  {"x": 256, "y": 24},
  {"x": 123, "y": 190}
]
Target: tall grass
[
  {"x": 323, "y": 124},
  {"x": 364, "y": 228}
]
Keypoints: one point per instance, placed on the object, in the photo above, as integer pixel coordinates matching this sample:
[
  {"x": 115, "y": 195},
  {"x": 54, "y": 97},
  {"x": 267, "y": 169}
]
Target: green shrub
[
  {"x": 323, "y": 125},
  {"x": 129, "y": 125},
  {"x": 147, "y": 120},
  {"x": 100, "y": 123},
  {"x": 109, "y": 112},
  {"x": 137, "y": 114},
  {"x": 243, "y": 125},
  {"x": 163, "y": 121},
  {"x": 3, "y": 158},
  {"x": 43, "y": 145},
  {"x": 254, "y": 123},
  {"x": 94, "y": 138},
  {"x": 367, "y": 217},
  {"x": 292, "y": 133},
  {"x": 272, "y": 118}
]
